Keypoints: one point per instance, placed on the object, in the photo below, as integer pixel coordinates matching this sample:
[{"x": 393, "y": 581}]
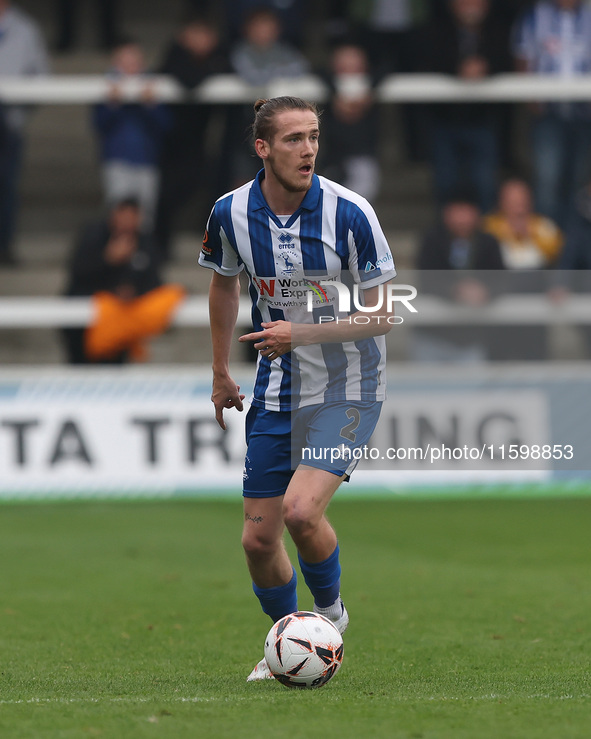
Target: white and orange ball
[{"x": 304, "y": 650}]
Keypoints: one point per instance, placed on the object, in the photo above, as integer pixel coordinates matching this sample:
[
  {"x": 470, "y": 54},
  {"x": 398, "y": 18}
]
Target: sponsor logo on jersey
[
  {"x": 277, "y": 289},
  {"x": 207, "y": 250},
  {"x": 318, "y": 290},
  {"x": 265, "y": 286},
  {"x": 370, "y": 267}
]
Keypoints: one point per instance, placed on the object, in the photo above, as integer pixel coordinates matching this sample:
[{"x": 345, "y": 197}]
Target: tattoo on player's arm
[{"x": 254, "y": 519}]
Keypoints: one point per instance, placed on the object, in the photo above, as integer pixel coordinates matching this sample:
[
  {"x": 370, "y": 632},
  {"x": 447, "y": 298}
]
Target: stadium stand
[{"x": 61, "y": 183}]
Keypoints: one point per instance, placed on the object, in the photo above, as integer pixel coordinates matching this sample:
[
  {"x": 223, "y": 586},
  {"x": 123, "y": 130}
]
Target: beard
[{"x": 289, "y": 185}]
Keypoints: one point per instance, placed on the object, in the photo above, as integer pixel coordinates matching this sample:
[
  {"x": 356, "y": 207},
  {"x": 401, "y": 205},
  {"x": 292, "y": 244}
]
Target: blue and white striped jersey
[
  {"x": 333, "y": 235},
  {"x": 556, "y": 41}
]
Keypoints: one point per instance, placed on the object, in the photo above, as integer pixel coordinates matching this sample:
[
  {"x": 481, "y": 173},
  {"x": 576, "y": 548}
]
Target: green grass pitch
[{"x": 469, "y": 620}]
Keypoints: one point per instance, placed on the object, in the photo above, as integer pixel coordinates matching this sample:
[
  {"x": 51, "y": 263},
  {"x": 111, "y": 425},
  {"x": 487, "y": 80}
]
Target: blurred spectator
[
  {"x": 577, "y": 249},
  {"x": 554, "y": 38},
  {"x": 259, "y": 58},
  {"x": 388, "y": 30},
  {"x": 528, "y": 240},
  {"x": 191, "y": 58},
  {"x": 509, "y": 10},
  {"x": 350, "y": 124},
  {"x": 458, "y": 246},
  {"x": 131, "y": 134},
  {"x": 261, "y": 55},
  {"x": 470, "y": 45},
  {"x": 574, "y": 273},
  {"x": 458, "y": 241},
  {"x": 117, "y": 263},
  {"x": 67, "y": 17},
  {"x": 22, "y": 53},
  {"x": 505, "y": 11},
  {"x": 385, "y": 28},
  {"x": 530, "y": 243},
  {"x": 289, "y": 13}
]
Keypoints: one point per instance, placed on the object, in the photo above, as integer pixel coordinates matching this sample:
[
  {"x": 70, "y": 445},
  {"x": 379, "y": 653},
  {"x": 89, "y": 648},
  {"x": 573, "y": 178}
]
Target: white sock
[{"x": 333, "y": 612}]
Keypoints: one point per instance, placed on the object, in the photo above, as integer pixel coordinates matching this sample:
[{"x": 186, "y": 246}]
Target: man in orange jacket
[{"x": 117, "y": 264}]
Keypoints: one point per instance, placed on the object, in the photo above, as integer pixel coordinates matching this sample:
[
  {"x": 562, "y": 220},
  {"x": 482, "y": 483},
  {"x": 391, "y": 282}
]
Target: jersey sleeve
[
  {"x": 370, "y": 259},
  {"x": 218, "y": 251}
]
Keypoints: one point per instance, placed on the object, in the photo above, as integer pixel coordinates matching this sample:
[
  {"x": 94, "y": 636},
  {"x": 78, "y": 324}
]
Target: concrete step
[
  {"x": 43, "y": 259},
  {"x": 152, "y": 22}
]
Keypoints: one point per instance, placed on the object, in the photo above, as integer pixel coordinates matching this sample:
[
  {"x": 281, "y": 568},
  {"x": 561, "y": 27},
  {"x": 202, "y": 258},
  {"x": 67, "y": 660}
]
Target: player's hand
[
  {"x": 120, "y": 249},
  {"x": 225, "y": 394},
  {"x": 126, "y": 292},
  {"x": 473, "y": 68},
  {"x": 274, "y": 341},
  {"x": 114, "y": 94},
  {"x": 148, "y": 94}
]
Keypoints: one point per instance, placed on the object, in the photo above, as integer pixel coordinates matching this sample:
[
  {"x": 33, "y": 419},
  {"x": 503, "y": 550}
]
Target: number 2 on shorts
[{"x": 348, "y": 431}]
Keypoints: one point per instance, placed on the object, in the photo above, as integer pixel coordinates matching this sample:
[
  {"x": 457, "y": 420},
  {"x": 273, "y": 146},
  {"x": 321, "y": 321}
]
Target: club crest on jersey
[
  {"x": 287, "y": 262},
  {"x": 287, "y": 259}
]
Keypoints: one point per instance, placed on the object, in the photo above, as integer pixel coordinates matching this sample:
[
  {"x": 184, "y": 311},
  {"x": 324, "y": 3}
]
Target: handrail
[
  {"x": 229, "y": 88},
  {"x": 513, "y": 309}
]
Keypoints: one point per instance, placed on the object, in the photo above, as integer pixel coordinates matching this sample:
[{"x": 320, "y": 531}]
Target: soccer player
[{"x": 320, "y": 381}]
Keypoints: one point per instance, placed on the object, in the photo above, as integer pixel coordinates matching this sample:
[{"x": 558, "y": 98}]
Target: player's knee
[
  {"x": 258, "y": 545},
  {"x": 298, "y": 520}
]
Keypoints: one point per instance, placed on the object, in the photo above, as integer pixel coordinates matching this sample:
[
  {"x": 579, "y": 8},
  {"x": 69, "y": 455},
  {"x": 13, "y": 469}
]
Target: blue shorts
[{"x": 320, "y": 436}]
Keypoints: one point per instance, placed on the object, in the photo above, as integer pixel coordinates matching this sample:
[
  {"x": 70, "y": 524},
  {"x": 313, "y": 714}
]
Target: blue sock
[
  {"x": 279, "y": 601},
  {"x": 323, "y": 579}
]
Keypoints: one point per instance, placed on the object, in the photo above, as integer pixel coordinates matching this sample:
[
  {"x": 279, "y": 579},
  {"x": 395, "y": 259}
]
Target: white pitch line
[
  {"x": 196, "y": 699},
  {"x": 112, "y": 699}
]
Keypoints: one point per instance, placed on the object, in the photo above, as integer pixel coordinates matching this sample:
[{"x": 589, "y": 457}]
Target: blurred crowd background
[{"x": 114, "y": 198}]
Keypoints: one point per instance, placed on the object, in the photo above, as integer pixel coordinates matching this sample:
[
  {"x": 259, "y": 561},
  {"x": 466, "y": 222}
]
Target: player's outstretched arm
[{"x": 224, "y": 298}]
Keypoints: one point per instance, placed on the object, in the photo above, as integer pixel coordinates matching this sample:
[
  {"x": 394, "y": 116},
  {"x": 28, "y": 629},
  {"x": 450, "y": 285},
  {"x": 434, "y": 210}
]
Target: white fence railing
[
  {"x": 53, "y": 312},
  {"x": 84, "y": 89}
]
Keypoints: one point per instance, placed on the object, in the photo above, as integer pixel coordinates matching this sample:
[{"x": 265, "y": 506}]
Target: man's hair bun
[{"x": 259, "y": 104}]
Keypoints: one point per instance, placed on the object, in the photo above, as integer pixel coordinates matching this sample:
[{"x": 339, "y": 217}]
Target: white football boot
[{"x": 260, "y": 672}]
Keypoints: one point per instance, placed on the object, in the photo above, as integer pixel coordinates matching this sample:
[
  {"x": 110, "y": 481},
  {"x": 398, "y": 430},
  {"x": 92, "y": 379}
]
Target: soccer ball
[{"x": 304, "y": 650}]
